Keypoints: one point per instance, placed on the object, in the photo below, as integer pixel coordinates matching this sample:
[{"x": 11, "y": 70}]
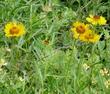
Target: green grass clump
[{"x": 47, "y": 59}]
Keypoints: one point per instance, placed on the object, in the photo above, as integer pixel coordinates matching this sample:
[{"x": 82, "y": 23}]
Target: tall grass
[{"x": 47, "y": 60}]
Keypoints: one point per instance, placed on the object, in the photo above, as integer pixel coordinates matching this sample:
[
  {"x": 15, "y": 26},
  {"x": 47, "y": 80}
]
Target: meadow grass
[{"x": 47, "y": 59}]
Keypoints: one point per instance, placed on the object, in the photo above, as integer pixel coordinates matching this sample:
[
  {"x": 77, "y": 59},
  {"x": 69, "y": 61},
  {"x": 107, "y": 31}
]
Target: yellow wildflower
[
  {"x": 79, "y": 29},
  {"x": 46, "y": 41},
  {"x": 90, "y": 37},
  {"x": 14, "y": 29},
  {"x": 100, "y": 20}
]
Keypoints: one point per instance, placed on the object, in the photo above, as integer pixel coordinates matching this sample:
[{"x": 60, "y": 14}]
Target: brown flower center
[
  {"x": 46, "y": 42},
  {"x": 89, "y": 36},
  {"x": 96, "y": 17},
  {"x": 80, "y": 29},
  {"x": 14, "y": 30}
]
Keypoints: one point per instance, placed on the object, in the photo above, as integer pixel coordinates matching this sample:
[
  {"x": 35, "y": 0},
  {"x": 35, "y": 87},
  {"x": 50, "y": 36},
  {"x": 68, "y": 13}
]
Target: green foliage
[{"x": 47, "y": 60}]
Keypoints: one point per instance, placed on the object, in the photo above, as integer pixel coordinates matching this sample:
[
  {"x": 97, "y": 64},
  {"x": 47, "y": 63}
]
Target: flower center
[
  {"x": 14, "y": 30},
  {"x": 89, "y": 36},
  {"x": 96, "y": 17},
  {"x": 80, "y": 29}
]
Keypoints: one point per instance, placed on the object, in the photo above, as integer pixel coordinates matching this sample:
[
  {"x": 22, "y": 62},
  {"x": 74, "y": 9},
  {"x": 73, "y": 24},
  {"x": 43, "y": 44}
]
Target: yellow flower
[
  {"x": 100, "y": 20},
  {"x": 90, "y": 37},
  {"x": 79, "y": 29},
  {"x": 14, "y": 29}
]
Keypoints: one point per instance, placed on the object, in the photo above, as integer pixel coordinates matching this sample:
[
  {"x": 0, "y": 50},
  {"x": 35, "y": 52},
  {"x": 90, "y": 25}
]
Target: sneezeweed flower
[
  {"x": 104, "y": 72},
  {"x": 96, "y": 20},
  {"x": 46, "y": 41},
  {"x": 14, "y": 29},
  {"x": 79, "y": 29},
  {"x": 90, "y": 37},
  {"x": 107, "y": 83}
]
